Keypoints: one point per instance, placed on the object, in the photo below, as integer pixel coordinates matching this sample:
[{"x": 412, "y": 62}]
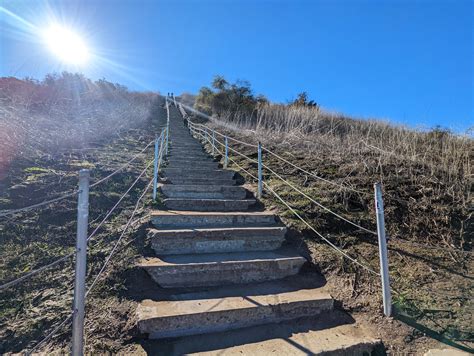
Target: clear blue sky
[{"x": 407, "y": 61}]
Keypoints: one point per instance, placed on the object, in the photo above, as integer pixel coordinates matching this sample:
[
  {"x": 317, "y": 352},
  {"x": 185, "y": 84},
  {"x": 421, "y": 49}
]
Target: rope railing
[
  {"x": 66, "y": 257},
  {"x": 119, "y": 201},
  {"x": 332, "y": 245},
  {"x": 314, "y": 175},
  {"x": 36, "y": 271},
  {"x": 161, "y": 145},
  {"x": 106, "y": 262},
  {"x": 67, "y": 195},
  {"x": 34, "y": 206},
  {"x": 290, "y": 185},
  {"x": 197, "y": 129},
  {"x": 209, "y": 138}
]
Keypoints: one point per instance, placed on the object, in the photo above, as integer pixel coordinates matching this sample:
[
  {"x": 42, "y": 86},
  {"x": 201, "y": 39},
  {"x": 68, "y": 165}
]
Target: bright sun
[{"x": 66, "y": 45}]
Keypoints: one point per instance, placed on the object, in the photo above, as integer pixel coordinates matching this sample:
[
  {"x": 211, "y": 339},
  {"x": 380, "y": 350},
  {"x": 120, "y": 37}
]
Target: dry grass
[
  {"x": 438, "y": 150},
  {"x": 427, "y": 181},
  {"x": 70, "y": 113},
  {"x": 48, "y": 140}
]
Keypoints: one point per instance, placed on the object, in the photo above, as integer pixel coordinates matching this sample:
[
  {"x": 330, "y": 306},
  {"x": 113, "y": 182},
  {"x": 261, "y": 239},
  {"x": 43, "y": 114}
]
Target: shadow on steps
[
  {"x": 282, "y": 333},
  {"x": 140, "y": 286}
]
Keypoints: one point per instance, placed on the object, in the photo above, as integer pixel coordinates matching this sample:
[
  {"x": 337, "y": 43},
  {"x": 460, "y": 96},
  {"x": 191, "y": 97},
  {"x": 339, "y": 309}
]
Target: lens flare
[{"x": 66, "y": 45}]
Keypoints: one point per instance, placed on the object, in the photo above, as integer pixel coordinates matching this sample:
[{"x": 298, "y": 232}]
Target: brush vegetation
[
  {"x": 49, "y": 130},
  {"x": 64, "y": 111},
  {"x": 427, "y": 184}
]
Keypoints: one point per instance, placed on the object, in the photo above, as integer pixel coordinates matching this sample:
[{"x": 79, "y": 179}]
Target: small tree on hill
[{"x": 302, "y": 100}]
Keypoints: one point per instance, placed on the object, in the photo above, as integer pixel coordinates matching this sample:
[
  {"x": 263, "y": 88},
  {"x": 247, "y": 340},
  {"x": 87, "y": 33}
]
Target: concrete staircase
[{"x": 228, "y": 268}]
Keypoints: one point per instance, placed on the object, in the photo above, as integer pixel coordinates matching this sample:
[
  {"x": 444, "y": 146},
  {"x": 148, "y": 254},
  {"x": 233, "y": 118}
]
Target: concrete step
[
  {"x": 165, "y": 319},
  {"x": 188, "y": 150},
  {"x": 189, "y": 156},
  {"x": 189, "y": 153},
  {"x": 185, "y": 147},
  {"x": 185, "y": 140},
  {"x": 216, "y": 240},
  {"x": 195, "y": 159},
  {"x": 217, "y": 269},
  {"x": 330, "y": 333},
  {"x": 200, "y": 181},
  {"x": 207, "y": 163},
  {"x": 194, "y": 219},
  {"x": 191, "y": 173},
  {"x": 203, "y": 191},
  {"x": 200, "y": 204},
  {"x": 182, "y": 134},
  {"x": 182, "y": 147}
]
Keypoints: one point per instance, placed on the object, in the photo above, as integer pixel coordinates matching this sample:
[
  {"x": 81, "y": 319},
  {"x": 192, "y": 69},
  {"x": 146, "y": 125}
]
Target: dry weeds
[
  {"x": 48, "y": 151},
  {"x": 427, "y": 180}
]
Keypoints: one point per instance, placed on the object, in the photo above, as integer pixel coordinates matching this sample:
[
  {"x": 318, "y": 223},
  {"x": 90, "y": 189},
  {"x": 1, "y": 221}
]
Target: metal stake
[
  {"x": 167, "y": 136},
  {"x": 213, "y": 142},
  {"x": 386, "y": 293},
  {"x": 226, "y": 159},
  {"x": 259, "y": 192},
  {"x": 155, "y": 167},
  {"x": 81, "y": 264}
]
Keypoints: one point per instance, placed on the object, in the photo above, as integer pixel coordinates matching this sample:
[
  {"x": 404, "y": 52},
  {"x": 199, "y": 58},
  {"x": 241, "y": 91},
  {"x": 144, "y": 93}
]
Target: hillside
[
  {"x": 51, "y": 130},
  {"x": 55, "y": 127},
  {"x": 335, "y": 160}
]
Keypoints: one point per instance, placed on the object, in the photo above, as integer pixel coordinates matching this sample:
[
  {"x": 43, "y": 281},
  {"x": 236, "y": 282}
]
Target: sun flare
[{"x": 67, "y": 45}]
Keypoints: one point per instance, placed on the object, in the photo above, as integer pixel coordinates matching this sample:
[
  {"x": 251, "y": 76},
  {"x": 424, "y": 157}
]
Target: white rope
[
  {"x": 235, "y": 140},
  {"x": 34, "y": 206},
  {"x": 441, "y": 249},
  {"x": 242, "y": 155},
  {"x": 51, "y": 334},
  {"x": 58, "y": 261},
  {"x": 122, "y": 167},
  {"x": 107, "y": 260},
  {"x": 119, "y": 201},
  {"x": 317, "y": 203},
  {"x": 312, "y": 174},
  {"x": 307, "y": 224},
  {"x": 279, "y": 157},
  {"x": 36, "y": 271},
  {"x": 320, "y": 235}
]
